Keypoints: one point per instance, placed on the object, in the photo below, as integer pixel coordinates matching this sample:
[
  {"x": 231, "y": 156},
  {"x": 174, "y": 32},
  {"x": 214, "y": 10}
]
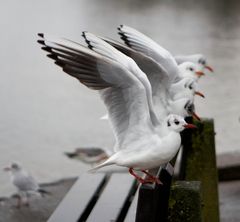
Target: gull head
[
  {"x": 202, "y": 63},
  {"x": 183, "y": 107},
  {"x": 177, "y": 123},
  {"x": 185, "y": 88},
  {"x": 14, "y": 167},
  {"x": 190, "y": 70},
  {"x": 190, "y": 87}
]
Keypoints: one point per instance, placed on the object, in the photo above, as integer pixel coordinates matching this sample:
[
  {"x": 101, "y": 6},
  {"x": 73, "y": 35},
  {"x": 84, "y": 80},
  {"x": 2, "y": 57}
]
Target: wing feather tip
[
  {"x": 86, "y": 40},
  {"x": 41, "y": 35},
  {"x": 41, "y": 42}
]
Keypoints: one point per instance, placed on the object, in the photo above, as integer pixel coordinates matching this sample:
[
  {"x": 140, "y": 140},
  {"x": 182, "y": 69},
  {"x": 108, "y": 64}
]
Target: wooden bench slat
[
  {"x": 112, "y": 199},
  {"x": 131, "y": 215},
  {"x": 76, "y": 200}
]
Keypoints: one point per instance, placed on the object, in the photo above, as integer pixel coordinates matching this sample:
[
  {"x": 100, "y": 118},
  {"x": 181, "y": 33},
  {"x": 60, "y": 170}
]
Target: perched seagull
[
  {"x": 90, "y": 155},
  {"x": 159, "y": 78},
  {"x": 25, "y": 184},
  {"x": 126, "y": 93},
  {"x": 199, "y": 59}
]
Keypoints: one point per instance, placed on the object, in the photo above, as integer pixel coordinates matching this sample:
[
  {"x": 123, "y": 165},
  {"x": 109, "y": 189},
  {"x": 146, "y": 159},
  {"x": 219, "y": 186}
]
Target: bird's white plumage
[
  {"x": 146, "y": 45},
  {"x": 125, "y": 95}
]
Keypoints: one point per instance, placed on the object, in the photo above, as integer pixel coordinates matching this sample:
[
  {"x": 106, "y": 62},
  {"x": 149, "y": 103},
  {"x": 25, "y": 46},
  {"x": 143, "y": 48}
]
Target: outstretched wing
[
  {"x": 157, "y": 75},
  {"x": 147, "y": 46},
  {"x": 105, "y": 49},
  {"x": 122, "y": 93}
]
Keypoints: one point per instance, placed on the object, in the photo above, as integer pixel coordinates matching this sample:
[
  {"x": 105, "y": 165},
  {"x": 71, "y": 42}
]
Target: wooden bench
[{"x": 104, "y": 197}]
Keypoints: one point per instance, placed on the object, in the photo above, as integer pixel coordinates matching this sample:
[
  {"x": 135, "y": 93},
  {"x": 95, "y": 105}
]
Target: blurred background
[{"x": 44, "y": 112}]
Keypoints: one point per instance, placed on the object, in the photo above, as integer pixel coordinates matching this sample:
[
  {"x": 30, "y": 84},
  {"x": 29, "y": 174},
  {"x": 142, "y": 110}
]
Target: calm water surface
[{"x": 44, "y": 112}]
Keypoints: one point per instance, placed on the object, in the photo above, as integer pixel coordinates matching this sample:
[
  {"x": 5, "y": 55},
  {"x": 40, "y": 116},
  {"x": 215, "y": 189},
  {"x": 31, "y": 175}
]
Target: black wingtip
[
  {"x": 83, "y": 34},
  {"x": 58, "y": 63},
  {"x": 86, "y": 40},
  {"x": 47, "y": 49},
  {"x": 41, "y": 42},
  {"x": 41, "y": 35},
  {"x": 51, "y": 56}
]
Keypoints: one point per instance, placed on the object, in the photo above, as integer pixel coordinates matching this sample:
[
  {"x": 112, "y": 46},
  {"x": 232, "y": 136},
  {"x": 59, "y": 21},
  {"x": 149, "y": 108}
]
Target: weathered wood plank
[
  {"x": 199, "y": 164},
  {"x": 185, "y": 202},
  {"x": 113, "y": 198},
  {"x": 76, "y": 200},
  {"x": 131, "y": 215}
]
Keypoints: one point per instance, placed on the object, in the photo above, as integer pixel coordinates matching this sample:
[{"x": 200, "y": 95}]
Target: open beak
[
  {"x": 7, "y": 169},
  {"x": 195, "y": 116},
  {"x": 199, "y": 94},
  {"x": 199, "y": 73},
  {"x": 209, "y": 68},
  {"x": 190, "y": 126}
]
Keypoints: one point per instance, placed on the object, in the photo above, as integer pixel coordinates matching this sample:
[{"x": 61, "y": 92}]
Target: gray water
[{"x": 45, "y": 112}]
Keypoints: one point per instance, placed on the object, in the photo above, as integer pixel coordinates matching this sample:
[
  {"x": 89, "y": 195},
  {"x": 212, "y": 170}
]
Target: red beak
[
  {"x": 7, "y": 168},
  {"x": 199, "y": 94},
  {"x": 190, "y": 126},
  {"x": 195, "y": 116},
  {"x": 209, "y": 68},
  {"x": 199, "y": 73}
]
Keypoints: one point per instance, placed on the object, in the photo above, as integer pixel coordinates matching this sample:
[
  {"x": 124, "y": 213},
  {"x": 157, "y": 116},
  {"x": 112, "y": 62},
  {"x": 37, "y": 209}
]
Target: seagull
[
  {"x": 199, "y": 59},
  {"x": 159, "y": 78},
  {"x": 25, "y": 184},
  {"x": 126, "y": 92},
  {"x": 90, "y": 155}
]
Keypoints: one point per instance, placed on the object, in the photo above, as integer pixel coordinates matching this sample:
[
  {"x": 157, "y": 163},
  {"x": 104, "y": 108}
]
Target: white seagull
[
  {"x": 161, "y": 71},
  {"x": 24, "y": 182},
  {"x": 199, "y": 59},
  {"x": 126, "y": 93}
]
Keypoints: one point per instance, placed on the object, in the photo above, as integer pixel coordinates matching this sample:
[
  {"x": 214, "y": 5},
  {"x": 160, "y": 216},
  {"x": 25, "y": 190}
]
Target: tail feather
[{"x": 108, "y": 162}]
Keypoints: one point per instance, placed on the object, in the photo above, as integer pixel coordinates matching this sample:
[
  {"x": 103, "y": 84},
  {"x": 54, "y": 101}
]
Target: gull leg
[
  {"x": 141, "y": 180},
  {"x": 27, "y": 200},
  {"x": 153, "y": 178},
  {"x": 19, "y": 202}
]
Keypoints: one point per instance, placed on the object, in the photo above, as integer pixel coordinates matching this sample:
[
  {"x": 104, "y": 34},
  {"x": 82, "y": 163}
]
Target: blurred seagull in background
[
  {"x": 89, "y": 155},
  {"x": 127, "y": 94},
  {"x": 25, "y": 184}
]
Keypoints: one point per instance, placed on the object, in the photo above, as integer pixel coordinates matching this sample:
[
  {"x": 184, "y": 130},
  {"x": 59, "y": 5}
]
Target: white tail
[{"x": 108, "y": 162}]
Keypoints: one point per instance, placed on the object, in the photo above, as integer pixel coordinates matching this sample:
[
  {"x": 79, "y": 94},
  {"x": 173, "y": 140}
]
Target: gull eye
[
  {"x": 168, "y": 123},
  {"x": 190, "y": 86},
  {"x": 176, "y": 122}
]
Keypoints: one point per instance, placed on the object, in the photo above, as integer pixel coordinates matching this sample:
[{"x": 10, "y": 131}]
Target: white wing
[
  {"x": 123, "y": 94},
  {"x": 147, "y": 46},
  {"x": 104, "y": 48},
  {"x": 157, "y": 75}
]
